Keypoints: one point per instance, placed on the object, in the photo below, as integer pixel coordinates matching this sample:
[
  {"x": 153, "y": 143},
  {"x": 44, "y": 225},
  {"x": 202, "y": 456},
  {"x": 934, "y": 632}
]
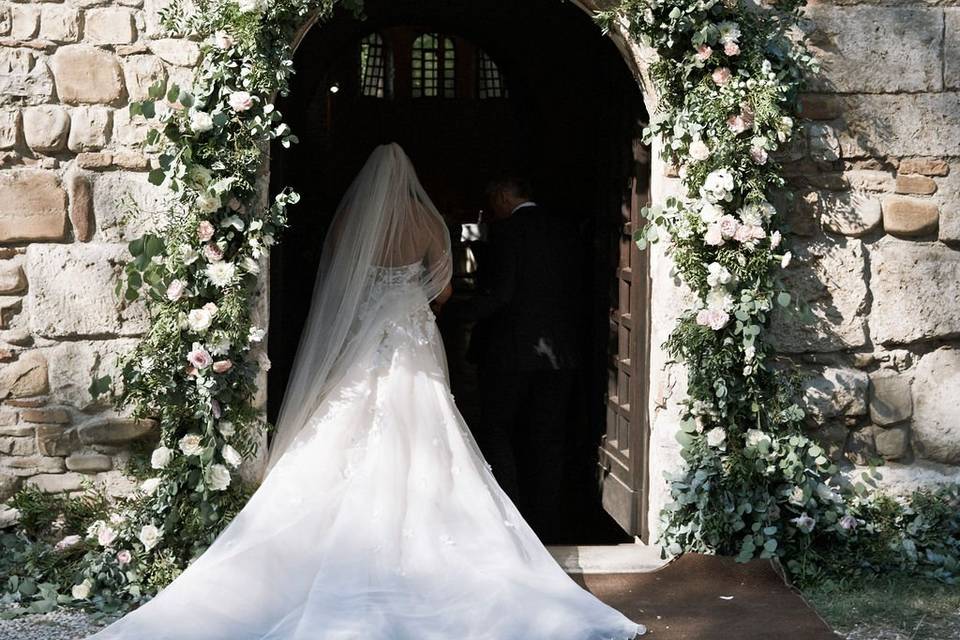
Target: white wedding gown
[{"x": 381, "y": 522}]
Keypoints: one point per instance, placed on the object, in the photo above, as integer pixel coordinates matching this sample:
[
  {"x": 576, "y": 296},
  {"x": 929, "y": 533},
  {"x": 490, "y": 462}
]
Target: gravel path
[{"x": 61, "y": 624}]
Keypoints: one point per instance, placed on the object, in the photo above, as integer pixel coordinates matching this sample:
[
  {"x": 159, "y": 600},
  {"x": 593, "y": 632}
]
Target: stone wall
[
  {"x": 877, "y": 218},
  {"x": 73, "y": 190}
]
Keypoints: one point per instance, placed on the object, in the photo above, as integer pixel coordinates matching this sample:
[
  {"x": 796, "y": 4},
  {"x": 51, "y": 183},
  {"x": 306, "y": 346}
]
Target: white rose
[
  {"x": 240, "y": 101},
  {"x": 200, "y": 121},
  {"x": 161, "y": 457},
  {"x": 718, "y": 274},
  {"x": 176, "y": 289},
  {"x": 256, "y": 334},
  {"x": 199, "y": 320},
  {"x": 150, "y": 485},
  {"x": 231, "y": 456},
  {"x": 716, "y": 437},
  {"x": 191, "y": 444},
  {"x": 208, "y": 202},
  {"x": 729, "y": 32},
  {"x": 699, "y": 150},
  {"x": 149, "y": 536},
  {"x": 106, "y": 536},
  {"x": 188, "y": 254},
  {"x": 82, "y": 591},
  {"x": 755, "y": 437},
  {"x": 227, "y": 429},
  {"x": 718, "y": 185},
  {"x": 221, "y": 273},
  {"x": 719, "y": 299},
  {"x": 218, "y": 477},
  {"x": 250, "y": 265}
]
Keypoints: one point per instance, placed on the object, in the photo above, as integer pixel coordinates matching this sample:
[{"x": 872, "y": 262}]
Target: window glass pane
[
  {"x": 373, "y": 68},
  {"x": 433, "y": 67},
  {"x": 490, "y": 82}
]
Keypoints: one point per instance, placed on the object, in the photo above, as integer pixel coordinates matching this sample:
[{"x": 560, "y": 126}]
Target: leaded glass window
[
  {"x": 373, "y": 66},
  {"x": 489, "y": 81},
  {"x": 433, "y": 67}
]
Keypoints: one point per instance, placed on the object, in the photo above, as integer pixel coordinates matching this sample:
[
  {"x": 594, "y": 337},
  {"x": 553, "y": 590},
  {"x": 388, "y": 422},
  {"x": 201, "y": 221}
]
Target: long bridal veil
[{"x": 385, "y": 219}]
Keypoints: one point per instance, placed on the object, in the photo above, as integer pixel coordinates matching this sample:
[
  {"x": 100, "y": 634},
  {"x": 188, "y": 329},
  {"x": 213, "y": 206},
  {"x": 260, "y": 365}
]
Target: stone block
[
  {"x": 907, "y": 124},
  {"x": 89, "y": 129},
  {"x": 86, "y": 74},
  {"x": 9, "y": 517},
  {"x": 72, "y": 292},
  {"x": 916, "y": 291},
  {"x": 24, "y": 80},
  {"x": 140, "y": 72},
  {"x": 113, "y": 430},
  {"x": 50, "y": 415},
  {"x": 890, "y": 399},
  {"x": 45, "y": 127},
  {"x": 9, "y": 128},
  {"x": 830, "y": 275},
  {"x": 109, "y": 26},
  {"x": 60, "y": 23},
  {"x": 893, "y": 443},
  {"x": 12, "y": 280},
  {"x": 89, "y": 462},
  {"x": 823, "y": 142},
  {"x": 18, "y": 431},
  {"x": 95, "y": 161},
  {"x": 819, "y": 106},
  {"x": 870, "y": 180},
  {"x": 916, "y": 184},
  {"x": 834, "y": 392},
  {"x": 57, "y": 483},
  {"x": 130, "y": 131},
  {"x": 9, "y": 485},
  {"x": 56, "y": 439},
  {"x": 936, "y": 387},
  {"x": 125, "y": 203},
  {"x": 33, "y": 206},
  {"x": 907, "y": 217},
  {"x": 29, "y": 465},
  {"x": 950, "y": 222},
  {"x": 25, "y": 377},
  {"x": 176, "y": 51},
  {"x": 862, "y": 446},
  {"x": 925, "y": 166},
  {"x": 849, "y": 213},
  {"x": 951, "y": 48},
  {"x": 81, "y": 207},
  {"x": 15, "y": 446},
  {"x": 25, "y": 21},
  {"x": 877, "y": 49},
  {"x": 6, "y": 22}
]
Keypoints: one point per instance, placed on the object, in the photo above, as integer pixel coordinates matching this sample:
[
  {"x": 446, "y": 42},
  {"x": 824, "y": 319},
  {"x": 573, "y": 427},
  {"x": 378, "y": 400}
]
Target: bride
[{"x": 378, "y": 518}]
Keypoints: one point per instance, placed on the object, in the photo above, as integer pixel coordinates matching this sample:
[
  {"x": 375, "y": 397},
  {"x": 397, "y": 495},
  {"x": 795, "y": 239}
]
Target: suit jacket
[{"x": 528, "y": 308}]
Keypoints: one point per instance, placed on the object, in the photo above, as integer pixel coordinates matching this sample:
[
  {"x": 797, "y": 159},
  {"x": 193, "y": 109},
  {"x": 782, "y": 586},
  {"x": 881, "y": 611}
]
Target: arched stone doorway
[{"x": 570, "y": 118}]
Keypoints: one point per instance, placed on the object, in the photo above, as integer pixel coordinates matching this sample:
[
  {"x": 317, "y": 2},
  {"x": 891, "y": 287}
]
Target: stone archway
[{"x": 662, "y": 301}]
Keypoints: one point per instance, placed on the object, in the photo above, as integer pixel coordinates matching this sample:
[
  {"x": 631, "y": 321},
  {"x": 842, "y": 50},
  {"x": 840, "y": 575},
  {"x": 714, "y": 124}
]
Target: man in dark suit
[{"x": 525, "y": 346}]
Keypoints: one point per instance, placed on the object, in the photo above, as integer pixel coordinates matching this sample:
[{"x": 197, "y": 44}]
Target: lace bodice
[{"x": 408, "y": 324}]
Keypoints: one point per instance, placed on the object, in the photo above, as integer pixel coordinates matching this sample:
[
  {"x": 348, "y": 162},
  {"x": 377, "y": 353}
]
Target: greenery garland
[{"x": 728, "y": 78}]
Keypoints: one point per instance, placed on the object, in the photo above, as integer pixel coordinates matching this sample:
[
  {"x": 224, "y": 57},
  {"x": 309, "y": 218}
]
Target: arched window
[
  {"x": 374, "y": 61},
  {"x": 489, "y": 81},
  {"x": 433, "y": 67}
]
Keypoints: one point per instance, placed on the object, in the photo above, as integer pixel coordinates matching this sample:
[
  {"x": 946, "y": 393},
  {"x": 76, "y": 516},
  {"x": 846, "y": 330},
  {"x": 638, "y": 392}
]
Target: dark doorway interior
[{"x": 469, "y": 88}]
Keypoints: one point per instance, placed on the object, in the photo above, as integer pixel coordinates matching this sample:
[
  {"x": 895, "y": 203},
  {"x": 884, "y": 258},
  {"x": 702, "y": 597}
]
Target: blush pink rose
[
  {"x": 758, "y": 155},
  {"x": 749, "y": 233},
  {"x": 728, "y": 226},
  {"x": 240, "y": 101},
  {"x": 222, "y": 366},
  {"x": 731, "y": 48},
  {"x": 212, "y": 252},
  {"x": 721, "y": 76},
  {"x": 737, "y": 124},
  {"x": 716, "y": 319},
  {"x": 199, "y": 357},
  {"x": 175, "y": 290},
  {"x": 704, "y": 52},
  {"x": 714, "y": 236},
  {"x": 204, "y": 231},
  {"x": 124, "y": 557}
]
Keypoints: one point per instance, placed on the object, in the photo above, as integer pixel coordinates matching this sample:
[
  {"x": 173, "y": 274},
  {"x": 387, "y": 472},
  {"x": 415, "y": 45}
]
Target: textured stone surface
[
  {"x": 81, "y": 207},
  {"x": 819, "y": 106},
  {"x": 57, "y": 483},
  {"x": 9, "y": 485},
  {"x": 836, "y": 391},
  {"x": 16, "y": 446},
  {"x": 870, "y": 180},
  {"x": 951, "y": 52},
  {"x": 109, "y": 26},
  {"x": 936, "y": 387},
  {"x": 893, "y": 443},
  {"x": 862, "y": 446},
  {"x": 113, "y": 430},
  {"x": 50, "y": 415},
  {"x": 125, "y": 203},
  {"x": 829, "y": 274},
  {"x": 925, "y": 166},
  {"x": 823, "y": 142},
  {"x": 86, "y": 74},
  {"x": 89, "y": 462},
  {"x": 24, "y": 80},
  {"x": 176, "y": 51},
  {"x": 12, "y": 280},
  {"x": 9, "y": 128},
  {"x": 29, "y": 465},
  {"x": 72, "y": 291},
  {"x": 949, "y": 230},
  {"x": 46, "y": 127},
  {"x": 89, "y": 129},
  {"x": 890, "y": 398},
  {"x": 140, "y": 72},
  {"x": 918, "y": 124},
  {"x": 60, "y": 23},
  {"x": 130, "y": 131},
  {"x": 878, "y": 49},
  {"x": 25, "y": 21},
  {"x": 33, "y": 206},
  {"x": 907, "y": 217},
  {"x": 25, "y": 377},
  {"x": 916, "y": 291},
  {"x": 56, "y": 439},
  {"x": 915, "y": 184},
  {"x": 849, "y": 213}
]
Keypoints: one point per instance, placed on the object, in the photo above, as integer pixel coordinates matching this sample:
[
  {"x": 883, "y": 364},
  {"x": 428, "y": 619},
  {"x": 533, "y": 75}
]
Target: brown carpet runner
[{"x": 700, "y": 597}]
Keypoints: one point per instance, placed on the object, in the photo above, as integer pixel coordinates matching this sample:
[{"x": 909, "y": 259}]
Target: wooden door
[{"x": 624, "y": 447}]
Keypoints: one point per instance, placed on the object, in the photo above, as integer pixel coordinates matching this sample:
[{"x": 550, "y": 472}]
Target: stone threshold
[{"x": 619, "y": 558}]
